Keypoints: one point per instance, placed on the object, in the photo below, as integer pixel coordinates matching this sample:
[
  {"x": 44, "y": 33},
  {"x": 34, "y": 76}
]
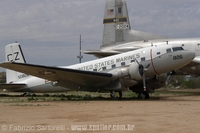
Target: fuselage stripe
[{"x": 115, "y": 20}]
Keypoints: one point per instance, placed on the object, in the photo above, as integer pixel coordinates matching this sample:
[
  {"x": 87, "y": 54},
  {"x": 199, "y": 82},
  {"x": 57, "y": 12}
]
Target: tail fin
[
  {"x": 13, "y": 53},
  {"x": 116, "y": 22},
  {"x": 117, "y": 27}
]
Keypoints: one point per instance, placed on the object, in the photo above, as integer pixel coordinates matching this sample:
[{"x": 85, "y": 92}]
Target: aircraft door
[{"x": 169, "y": 51}]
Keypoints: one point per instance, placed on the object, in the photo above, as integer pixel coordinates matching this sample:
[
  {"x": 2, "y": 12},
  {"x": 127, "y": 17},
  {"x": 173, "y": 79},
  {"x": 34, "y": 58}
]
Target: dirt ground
[{"x": 169, "y": 114}]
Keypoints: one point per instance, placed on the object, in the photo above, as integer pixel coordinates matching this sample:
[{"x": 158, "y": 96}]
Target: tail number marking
[
  {"x": 121, "y": 26},
  {"x": 178, "y": 57},
  {"x": 22, "y": 76},
  {"x": 14, "y": 55}
]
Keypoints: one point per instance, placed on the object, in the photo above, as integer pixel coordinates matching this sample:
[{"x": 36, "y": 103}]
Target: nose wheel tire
[
  {"x": 115, "y": 94},
  {"x": 143, "y": 95}
]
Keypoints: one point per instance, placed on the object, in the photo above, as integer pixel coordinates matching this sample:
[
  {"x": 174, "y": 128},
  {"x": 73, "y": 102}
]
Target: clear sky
[{"x": 49, "y": 30}]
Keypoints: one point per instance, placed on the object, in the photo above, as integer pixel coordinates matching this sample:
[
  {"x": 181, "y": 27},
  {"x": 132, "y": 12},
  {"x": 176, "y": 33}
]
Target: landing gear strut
[
  {"x": 25, "y": 94},
  {"x": 115, "y": 94},
  {"x": 143, "y": 95},
  {"x": 28, "y": 94}
]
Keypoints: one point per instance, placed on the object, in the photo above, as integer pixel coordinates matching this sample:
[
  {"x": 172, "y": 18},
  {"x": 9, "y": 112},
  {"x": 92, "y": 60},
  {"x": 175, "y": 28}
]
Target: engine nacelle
[
  {"x": 134, "y": 71},
  {"x": 131, "y": 72}
]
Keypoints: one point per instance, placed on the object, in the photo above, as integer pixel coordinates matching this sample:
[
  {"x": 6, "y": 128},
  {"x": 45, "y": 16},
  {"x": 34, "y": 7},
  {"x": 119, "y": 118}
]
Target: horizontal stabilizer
[{"x": 12, "y": 87}]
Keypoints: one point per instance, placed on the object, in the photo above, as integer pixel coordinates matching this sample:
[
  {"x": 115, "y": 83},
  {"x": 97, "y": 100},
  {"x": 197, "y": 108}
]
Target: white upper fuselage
[
  {"x": 189, "y": 44},
  {"x": 148, "y": 55}
]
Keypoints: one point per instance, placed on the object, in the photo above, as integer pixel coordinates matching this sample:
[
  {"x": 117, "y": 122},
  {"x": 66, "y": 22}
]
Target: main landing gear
[
  {"x": 26, "y": 94},
  {"x": 115, "y": 94},
  {"x": 144, "y": 95},
  {"x": 118, "y": 95}
]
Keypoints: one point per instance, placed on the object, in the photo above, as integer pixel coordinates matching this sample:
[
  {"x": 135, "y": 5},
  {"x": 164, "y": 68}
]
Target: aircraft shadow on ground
[{"x": 161, "y": 96}]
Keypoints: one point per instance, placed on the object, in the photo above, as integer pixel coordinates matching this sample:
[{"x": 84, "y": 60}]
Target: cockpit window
[
  {"x": 177, "y": 48},
  {"x": 169, "y": 50}
]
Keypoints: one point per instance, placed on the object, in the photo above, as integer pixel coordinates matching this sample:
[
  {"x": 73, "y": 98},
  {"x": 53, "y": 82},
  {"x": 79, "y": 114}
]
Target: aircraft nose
[
  {"x": 182, "y": 58},
  {"x": 188, "y": 56},
  {"x": 173, "y": 61}
]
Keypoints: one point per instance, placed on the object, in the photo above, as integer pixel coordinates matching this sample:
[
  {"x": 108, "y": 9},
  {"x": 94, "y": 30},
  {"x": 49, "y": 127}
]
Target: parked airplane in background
[
  {"x": 115, "y": 73},
  {"x": 118, "y": 37}
]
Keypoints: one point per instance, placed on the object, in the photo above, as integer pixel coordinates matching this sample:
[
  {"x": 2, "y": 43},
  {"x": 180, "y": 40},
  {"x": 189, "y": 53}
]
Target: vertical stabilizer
[
  {"x": 116, "y": 22},
  {"x": 13, "y": 53},
  {"x": 117, "y": 29}
]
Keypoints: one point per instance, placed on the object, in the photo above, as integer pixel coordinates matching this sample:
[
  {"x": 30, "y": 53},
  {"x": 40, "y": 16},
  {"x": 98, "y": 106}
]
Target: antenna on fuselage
[{"x": 80, "y": 54}]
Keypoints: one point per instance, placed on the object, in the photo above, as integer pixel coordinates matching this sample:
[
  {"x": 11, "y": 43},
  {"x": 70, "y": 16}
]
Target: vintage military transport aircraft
[{"x": 117, "y": 73}]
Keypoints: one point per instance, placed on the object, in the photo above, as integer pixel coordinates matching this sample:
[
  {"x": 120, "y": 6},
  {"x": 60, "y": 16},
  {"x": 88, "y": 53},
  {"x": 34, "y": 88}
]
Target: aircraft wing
[
  {"x": 12, "y": 87},
  {"x": 126, "y": 48},
  {"x": 64, "y": 75},
  {"x": 187, "y": 69},
  {"x": 102, "y": 53},
  {"x": 196, "y": 60},
  {"x": 114, "y": 51}
]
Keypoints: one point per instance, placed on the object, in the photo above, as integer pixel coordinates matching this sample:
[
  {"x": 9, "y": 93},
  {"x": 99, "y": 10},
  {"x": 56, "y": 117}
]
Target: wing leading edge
[{"x": 64, "y": 75}]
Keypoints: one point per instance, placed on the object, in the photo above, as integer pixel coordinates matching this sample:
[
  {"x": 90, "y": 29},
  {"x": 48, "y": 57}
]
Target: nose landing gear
[
  {"x": 115, "y": 94},
  {"x": 144, "y": 95}
]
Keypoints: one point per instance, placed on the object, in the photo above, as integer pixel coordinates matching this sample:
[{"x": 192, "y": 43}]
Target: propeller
[
  {"x": 142, "y": 73},
  {"x": 169, "y": 76}
]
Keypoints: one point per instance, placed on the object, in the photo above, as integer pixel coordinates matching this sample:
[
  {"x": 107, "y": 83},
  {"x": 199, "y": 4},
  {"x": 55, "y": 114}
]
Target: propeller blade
[
  {"x": 168, "y": 79},
  {"x": 147, "y": 66},
  {"x": 142, "y": 73},
  {"x": 169, "y": 76},
  {"x": 137, "y": 61},
  {"x": 144, "y": 82}
]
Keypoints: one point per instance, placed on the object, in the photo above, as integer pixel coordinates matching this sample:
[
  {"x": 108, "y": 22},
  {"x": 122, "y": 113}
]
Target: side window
[
  {"x": 158, "y": 53},
  {"x": 132, "y": 61},
  {"x": 123, "y": 64},
  {"x": 113, "y": 66},
  {"x": 143, "y": 59},
  {"x": 169, "y": 50}
]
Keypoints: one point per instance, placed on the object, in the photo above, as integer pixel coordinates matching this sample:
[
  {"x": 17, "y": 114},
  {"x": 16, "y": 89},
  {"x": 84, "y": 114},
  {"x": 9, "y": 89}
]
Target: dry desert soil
[{"x": 164, "y": 113}]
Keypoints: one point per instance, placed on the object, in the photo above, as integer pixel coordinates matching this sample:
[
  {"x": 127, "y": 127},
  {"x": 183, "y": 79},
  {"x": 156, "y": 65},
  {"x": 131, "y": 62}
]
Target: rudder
[{"x": 13, "y": 53}]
